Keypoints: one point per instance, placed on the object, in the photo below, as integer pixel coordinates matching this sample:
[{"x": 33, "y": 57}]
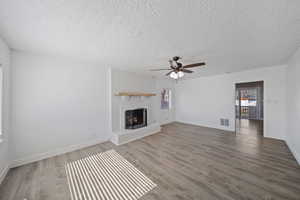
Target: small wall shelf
[{"x": 135, "y": 94}]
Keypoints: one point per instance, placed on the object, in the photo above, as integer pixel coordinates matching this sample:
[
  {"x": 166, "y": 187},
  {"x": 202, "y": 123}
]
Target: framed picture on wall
[{"x": 165, "y": 99}]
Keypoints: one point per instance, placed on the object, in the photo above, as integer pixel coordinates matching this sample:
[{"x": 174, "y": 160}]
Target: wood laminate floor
[
  {"x": 185, "y": 161},
  {"x": 250, "y": 127}
]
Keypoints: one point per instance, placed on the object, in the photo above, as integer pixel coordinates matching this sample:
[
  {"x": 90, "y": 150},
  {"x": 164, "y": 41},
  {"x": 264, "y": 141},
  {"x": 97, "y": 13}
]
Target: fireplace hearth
[{"x": 136, "y": 118}]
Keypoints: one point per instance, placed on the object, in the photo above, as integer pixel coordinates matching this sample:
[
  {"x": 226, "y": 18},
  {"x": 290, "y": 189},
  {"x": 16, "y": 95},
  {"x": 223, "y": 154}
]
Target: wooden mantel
[{"x": 135, "y": 94}]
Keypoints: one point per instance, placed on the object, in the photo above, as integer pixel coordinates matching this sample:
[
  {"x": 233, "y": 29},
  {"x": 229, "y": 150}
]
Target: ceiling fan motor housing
[{"x": 176, "y": 58}]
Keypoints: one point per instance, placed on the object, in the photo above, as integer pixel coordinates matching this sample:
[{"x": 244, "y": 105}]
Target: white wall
[
  {"x": 56, "y": 105},
  {"x": 203, "y": 101},
  {"x": 293, "y": 105},
  {"x": 4, "y": 145}
]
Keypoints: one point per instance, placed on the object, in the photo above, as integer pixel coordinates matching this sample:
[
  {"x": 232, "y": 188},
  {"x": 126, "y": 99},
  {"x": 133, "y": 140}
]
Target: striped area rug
[{"x": 106, "y": 176}]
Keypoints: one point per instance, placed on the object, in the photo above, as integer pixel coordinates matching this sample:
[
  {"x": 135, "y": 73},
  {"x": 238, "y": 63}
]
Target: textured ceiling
[{"x": 231, "y": 35}]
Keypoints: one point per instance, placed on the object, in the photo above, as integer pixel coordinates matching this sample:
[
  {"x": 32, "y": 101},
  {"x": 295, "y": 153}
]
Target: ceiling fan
[{"x": 177, "y": 69}]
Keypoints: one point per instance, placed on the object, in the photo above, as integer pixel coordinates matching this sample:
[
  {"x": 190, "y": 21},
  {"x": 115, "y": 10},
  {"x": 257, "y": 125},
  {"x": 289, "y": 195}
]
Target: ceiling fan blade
[
  {"x": 194, "y": 65},
  {"x": 167, "y": 74},
  {"x": 158, "y": 69},
  {"x": 186, "y": 71}
]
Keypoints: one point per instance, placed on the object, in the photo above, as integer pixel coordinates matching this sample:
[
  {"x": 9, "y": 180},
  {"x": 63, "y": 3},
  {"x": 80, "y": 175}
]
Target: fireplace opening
[{"x": 136, "y": 118}]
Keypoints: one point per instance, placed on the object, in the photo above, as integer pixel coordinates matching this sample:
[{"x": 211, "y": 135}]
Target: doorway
[{"x": 249, "y": 108}]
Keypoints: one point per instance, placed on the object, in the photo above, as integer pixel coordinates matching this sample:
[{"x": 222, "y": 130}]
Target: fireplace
[{"x": 136, "y": 118}]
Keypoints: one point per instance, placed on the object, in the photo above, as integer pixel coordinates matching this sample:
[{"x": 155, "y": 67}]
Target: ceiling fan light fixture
[
  {"x": 174, "y": 75},
  {"x": 180, "y": 74}
]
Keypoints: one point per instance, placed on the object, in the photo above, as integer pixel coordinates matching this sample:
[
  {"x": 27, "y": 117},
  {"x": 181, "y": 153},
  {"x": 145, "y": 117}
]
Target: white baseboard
[
  {"x": 206, "y": 126},
  {"x": 3, "y": 173},
  {"x": 56, "y": 152},
  {"x": 293, "y": 150},
  {"x": 167, "y": 122}
]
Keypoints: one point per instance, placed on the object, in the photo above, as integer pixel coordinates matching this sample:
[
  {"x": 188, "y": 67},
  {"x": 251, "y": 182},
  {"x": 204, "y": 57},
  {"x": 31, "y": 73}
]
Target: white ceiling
[{"x": 230, "y": 35}]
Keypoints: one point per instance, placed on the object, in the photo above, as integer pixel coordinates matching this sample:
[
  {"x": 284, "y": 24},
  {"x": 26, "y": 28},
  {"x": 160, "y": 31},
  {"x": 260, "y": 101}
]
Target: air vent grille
[{"x": 224, "y": 122}]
